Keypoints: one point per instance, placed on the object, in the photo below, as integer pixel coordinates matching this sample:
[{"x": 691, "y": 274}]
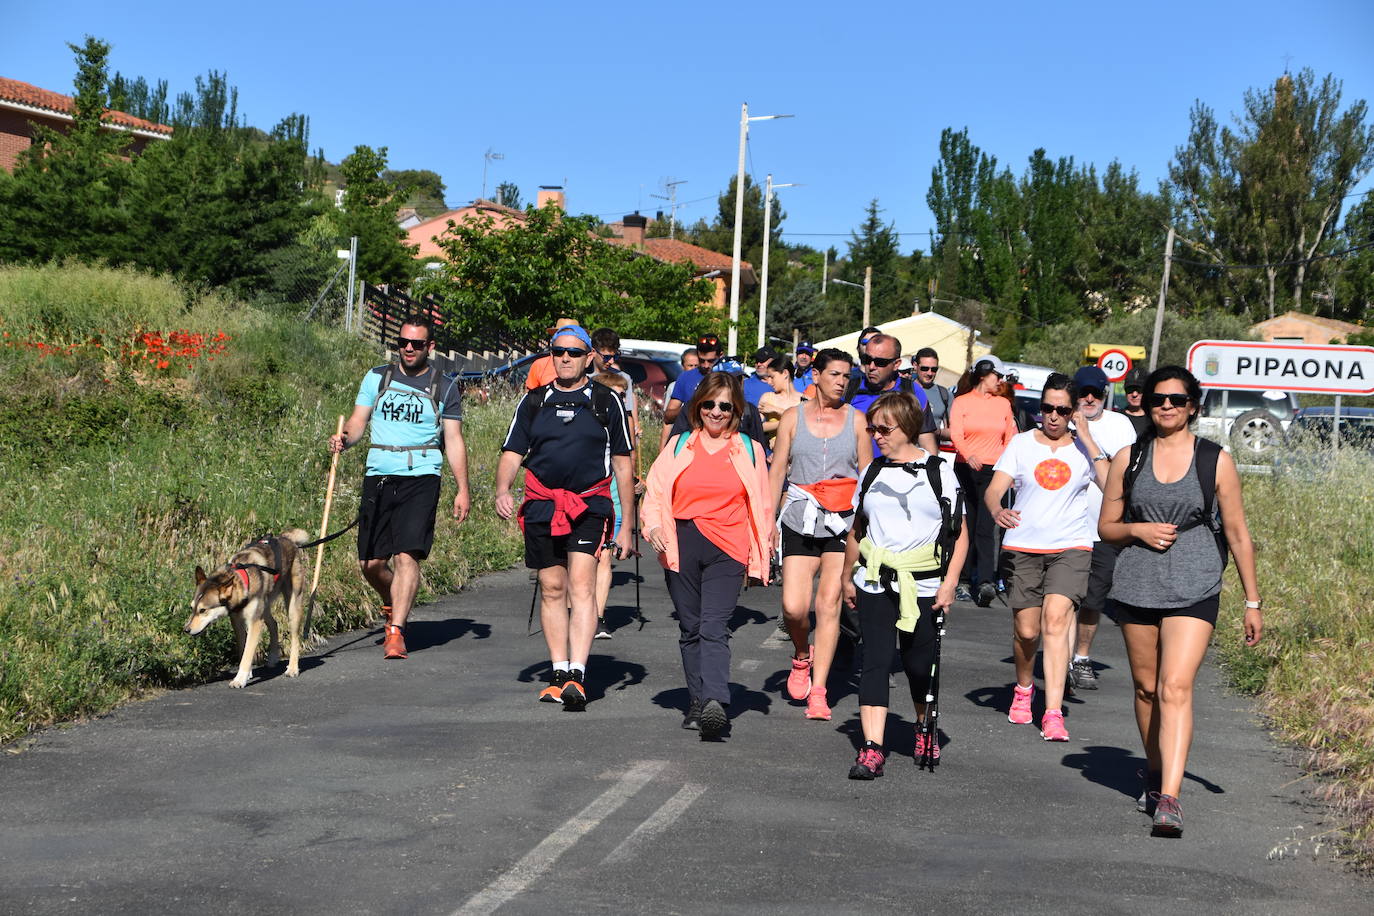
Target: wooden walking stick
[{"x": 324, "y": 528}]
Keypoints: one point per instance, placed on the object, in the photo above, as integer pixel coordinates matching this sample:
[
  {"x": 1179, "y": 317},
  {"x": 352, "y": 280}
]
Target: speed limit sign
[{"x": 1115, "y": 363}]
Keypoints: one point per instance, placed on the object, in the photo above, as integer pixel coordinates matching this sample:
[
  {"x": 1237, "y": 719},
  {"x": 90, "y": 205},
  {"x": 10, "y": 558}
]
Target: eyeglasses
[
  {"x": 1060, "y": 409},
  {"x": 882, "y": 362},
  {"x": 1095, "y": 393},
  {"x": 1132, "y": 390},
  {"x": 709, "y": 342},
  {"x": 574, "y": 352},
  {"x": 610, "y": 357},
  {"x": 877, "y": 429},
  {"x": 410, "y": 343},
  {"x": 722, "y": 406},
  {"x": 1157, "y": 399},
  {"x": 935, "y": 368}
]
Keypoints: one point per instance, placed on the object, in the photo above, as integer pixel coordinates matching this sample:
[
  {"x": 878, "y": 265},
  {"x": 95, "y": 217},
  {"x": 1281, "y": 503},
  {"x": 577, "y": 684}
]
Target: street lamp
[
  {"x": 767, "y": 238},
  {"x": 866, "y": 286},
  {"x": 744, "y": 120},
  {"x": 487, "y": 157}
]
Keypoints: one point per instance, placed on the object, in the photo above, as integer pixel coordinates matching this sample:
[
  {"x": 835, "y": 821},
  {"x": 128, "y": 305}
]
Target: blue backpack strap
[
  {"x": 749, "y": 445},
  {"x": 678, "y": 442},
  {"x": 681, "y": 440}
]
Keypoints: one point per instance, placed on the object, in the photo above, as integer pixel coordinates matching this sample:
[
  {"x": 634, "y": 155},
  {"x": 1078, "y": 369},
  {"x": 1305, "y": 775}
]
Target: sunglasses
[
  {"x": 882, "y": 362},
  {"x": 1095, "y": 393},
  {"x": 722, "y": 406},
  {"x": 574, "y": 352},
  {"x": 409, "y": 343},
  {"x": 928, "y": 368},
  {"x": 611, "y": 357},
  {"x": 1060, "y": 409},
  {"x": 1157, "y": 399},
  {"x": 877, "y": 429},
  {"x": 708, "y": 343}
]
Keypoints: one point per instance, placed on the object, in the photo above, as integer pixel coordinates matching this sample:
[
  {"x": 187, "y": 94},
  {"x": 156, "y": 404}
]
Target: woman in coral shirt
[
  {"x": 708, "y": 511},
  {"x": 980, "y": 426}
]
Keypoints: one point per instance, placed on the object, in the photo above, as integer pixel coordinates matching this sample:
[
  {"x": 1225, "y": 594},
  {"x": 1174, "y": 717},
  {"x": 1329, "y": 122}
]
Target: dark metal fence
[{"x": 383, "y": 310}]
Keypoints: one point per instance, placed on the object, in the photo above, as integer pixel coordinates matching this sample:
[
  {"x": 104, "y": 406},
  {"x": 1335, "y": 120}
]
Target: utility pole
[
  {"x": 767, "y": 241},
  {"x": 825, "y": 269},
  {"x": 671, "y": 197},
  {"x": 868, "y": 293},
  {"x": 744, "y": 120},
  {"x": 352, "y": 276},
  {"x": 1163, "y": 291}
]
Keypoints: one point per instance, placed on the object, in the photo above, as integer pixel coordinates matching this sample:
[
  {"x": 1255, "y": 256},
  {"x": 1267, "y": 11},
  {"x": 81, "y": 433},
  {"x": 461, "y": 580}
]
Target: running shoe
[
  {"x": 816, "y": 706},
  {"x": 1168, "y": 816},
  {"x": 1052, "y": 726},
  {"x": 713, "y": 720},
  {"x": 1021, "y": 705},
  {"x": 799, "y": 679},
  {"x": 961, "y": 593},
  {"x": 386, "y": 622},
  {"x": 869, "y": 763},
  {"x": 394, "y": 645},
  {"x": 601, "y": 631},
  {"x": 1149, "y": 791},
  {"x": 574, "y": 695},
  {"x": 692, "y": 719},
  {"x": 1083, "y": 675},
  {"x": 922, "y": 740},
  {"x": 554, "y": 692},
  {"x": 986, "y": 592}
]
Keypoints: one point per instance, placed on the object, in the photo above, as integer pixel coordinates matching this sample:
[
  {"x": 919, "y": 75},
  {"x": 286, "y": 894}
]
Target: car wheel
[{"x": 1254, "y": 434}]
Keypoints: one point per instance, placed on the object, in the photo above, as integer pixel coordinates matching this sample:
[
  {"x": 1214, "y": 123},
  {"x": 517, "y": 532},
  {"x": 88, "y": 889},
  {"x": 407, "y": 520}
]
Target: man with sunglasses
[
  {"x": 1135, "y": 407},
  {"x": 937, "y": 396},
  {"x": 1111, "y": 432},
  {"x": 573, "y": 440},
  {"x": 879, "y": 360},
  {"x": 414, "y": 418},
  {"x": 606, "y": 358},
  {"x": 708, "y": 353},
  {"x": 754, "y": 386}
]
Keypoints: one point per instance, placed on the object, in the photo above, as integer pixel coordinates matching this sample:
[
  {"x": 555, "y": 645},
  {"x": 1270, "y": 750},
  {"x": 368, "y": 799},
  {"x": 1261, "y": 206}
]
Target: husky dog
[{"x": 244, "y": 588}]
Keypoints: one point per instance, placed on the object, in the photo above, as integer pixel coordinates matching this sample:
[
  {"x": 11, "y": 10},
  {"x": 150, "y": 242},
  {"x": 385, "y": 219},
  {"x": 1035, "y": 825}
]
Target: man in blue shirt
[
  {"x": 802, "y": 376},
  {"x": 754, "y": 386},
  {"x": 708, "y": 352},
  {"x": 408, "y": 410},
  {"x": 880, "y": 359}
]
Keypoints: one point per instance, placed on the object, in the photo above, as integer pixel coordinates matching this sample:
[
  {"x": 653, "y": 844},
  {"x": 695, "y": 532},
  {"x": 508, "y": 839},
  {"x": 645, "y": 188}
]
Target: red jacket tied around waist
[{"x": 568, "y": 505}]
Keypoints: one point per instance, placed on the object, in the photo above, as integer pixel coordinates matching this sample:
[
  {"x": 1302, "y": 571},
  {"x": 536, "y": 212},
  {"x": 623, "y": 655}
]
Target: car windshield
[{"x": 1239, "y": 401}]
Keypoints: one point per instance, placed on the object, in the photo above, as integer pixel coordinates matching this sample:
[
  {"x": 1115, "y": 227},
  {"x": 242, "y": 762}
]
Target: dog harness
[{"x": 274, "y": 570}]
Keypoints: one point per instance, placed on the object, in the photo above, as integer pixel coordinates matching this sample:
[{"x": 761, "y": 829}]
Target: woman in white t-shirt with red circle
[{"x": 1050, "y": 538}]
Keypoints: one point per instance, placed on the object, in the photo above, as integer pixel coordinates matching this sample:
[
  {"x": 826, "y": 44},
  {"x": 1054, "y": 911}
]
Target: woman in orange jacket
[{"x": 708, "y": 511}]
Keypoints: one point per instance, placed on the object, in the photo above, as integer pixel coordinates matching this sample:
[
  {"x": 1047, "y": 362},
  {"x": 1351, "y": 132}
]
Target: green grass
[{"x": 1313, "y": 671}]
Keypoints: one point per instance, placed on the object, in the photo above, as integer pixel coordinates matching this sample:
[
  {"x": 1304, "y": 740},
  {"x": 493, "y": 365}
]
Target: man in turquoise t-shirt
[{"x": 414, "y": 418}]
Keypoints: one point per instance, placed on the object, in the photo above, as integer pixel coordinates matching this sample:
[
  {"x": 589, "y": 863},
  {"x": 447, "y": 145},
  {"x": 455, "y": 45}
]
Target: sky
[{"x": 611, "y": 100}]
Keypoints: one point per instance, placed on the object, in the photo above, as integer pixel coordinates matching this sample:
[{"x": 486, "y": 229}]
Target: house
[
  {"x": 1301, "y": 328},
  {"x": 710, "y": 265},
  {"x": 422, "y": 233},
  {"x": 948, "y": 337},
  {"x": 22, "y": 105}
]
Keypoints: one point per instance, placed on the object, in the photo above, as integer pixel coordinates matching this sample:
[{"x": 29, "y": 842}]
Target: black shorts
[
  {"x": 1206, "y": 609},
  {"x": 397, "y": 516},
  {"x": 796, "y": 544},
  {"x": 1100, "y": 576},
  {"x": 543, "y": 549}
]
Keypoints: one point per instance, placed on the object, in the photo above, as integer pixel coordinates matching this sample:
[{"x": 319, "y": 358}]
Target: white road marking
[
  {"x": 776, "y": 638},
  {"x": 657, "y": 822},
  {"x": 539, "y": 859},
  {"x": 749, "y": 664}
]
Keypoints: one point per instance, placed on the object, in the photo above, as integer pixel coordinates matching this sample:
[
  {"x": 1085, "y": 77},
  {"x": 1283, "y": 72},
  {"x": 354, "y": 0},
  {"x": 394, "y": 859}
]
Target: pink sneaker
[
  {"x": 799, "y": 680},
  {"x": 1052, "y": 726},
  {"x": 816, "y": 707},
  {"x": 921, "y": 741},
  {"x": 1020, "y": 705}
]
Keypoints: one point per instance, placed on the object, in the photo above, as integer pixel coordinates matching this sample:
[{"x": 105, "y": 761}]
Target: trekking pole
[
  {"x": 639, "y": 475},
  {"x": 534, "y": 600},
  {"x": 930, "y": 727},
  {"x": 324, "y": 528}
]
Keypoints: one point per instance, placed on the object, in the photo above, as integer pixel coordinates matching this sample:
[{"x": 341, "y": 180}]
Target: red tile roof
[
  {"x": 26, "y": 94},
  {"x": 678, "y": 251}
]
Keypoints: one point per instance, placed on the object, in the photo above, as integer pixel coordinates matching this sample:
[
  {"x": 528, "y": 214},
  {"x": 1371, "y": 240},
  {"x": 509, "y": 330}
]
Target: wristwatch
[
  {"x": 1252, "y": 605},
  {"x": 1102, "y": 456}
]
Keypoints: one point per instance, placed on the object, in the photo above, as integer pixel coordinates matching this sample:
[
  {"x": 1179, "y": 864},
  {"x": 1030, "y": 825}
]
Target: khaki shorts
[{"x": 1035, "y": 575}]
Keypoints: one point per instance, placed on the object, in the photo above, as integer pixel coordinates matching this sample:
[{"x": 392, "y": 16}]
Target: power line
[{"x": 1293, "y": 263}]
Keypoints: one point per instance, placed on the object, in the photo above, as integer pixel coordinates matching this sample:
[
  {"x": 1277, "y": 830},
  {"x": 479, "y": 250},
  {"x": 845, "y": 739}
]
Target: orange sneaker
[
  {"x": 554, "y": 692},
  {"x": 394, "y": 645},
  {"x": 799, "y": 678},
  {"x": 816, "y": 706}
]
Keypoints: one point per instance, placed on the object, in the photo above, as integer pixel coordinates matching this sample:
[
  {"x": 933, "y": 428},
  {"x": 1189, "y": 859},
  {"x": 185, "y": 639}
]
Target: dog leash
[{"x": 329, "y": 537}]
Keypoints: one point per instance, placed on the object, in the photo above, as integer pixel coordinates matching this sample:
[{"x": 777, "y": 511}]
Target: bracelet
[{"x": 1252, "y": 605}]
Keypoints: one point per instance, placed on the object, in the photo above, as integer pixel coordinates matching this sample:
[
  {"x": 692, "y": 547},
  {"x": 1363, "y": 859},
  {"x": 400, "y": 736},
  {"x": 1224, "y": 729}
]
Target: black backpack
[
  {"x": 951, "y": 511},
  {"x": 1206, "y": 452},
  {"x": 857, "y": 382},
  {"x": 539, "y": 398},
  {"x": 432, "y": 392}
]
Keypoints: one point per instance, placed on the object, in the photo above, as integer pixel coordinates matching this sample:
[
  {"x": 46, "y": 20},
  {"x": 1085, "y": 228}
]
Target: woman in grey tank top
[
  {"x": 1167, "y": 582},
  {"x": 821, "y": 448}
]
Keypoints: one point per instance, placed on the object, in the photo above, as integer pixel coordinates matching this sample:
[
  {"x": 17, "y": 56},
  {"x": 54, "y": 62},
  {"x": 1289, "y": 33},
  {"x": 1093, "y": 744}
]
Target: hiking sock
[
  {"x": 560, "y": 666},
  {"x": 577, "y": 668}
]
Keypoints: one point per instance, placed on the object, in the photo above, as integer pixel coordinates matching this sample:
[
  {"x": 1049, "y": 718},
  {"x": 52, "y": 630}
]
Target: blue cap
[
  {"x": 1090, "y": 377},
  {"x": 731, "y": 366},
  {"x": 573, "y": 330},
  {"x": 805, "y": 347}
]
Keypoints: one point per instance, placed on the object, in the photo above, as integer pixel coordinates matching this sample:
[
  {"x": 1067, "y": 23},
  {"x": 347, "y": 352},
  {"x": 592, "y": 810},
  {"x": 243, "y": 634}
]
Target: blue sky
[{"x": 611, "y": 99}]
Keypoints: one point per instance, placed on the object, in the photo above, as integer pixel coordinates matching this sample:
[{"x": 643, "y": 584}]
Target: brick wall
[{"x": 15, "y": 136}]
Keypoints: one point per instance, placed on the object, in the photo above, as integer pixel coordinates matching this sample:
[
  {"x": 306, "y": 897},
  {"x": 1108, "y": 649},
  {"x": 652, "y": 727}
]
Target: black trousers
[
  {"x": 878, "y": 617},
  {"x": 981, "y": 565},
  {"x": 705, "y": 591}
]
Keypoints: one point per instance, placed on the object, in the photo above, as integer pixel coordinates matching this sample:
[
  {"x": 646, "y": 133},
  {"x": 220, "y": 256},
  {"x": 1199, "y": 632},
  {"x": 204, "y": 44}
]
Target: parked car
[
  {"x": 1248, "y": 423},
  {"x": 1309, "y": 452}
]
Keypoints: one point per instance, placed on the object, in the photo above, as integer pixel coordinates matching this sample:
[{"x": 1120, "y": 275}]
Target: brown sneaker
[{"x": 394, "y": 645}]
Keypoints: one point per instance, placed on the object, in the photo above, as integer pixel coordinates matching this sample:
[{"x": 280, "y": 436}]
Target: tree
[
  {"x": 421, "y": 189},
  {"x": 1270, "y": 190},
  {"x": 508, "y": 195},
  {"x": 520, "y": 278},
  {"x": 369, "y": 212}
]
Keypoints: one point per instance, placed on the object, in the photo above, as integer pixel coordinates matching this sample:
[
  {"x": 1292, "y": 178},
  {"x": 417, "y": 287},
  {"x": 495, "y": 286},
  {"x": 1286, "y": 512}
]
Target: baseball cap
[
  {"x": 1090, "y": 377},
  {"x": 560, "y": 323},
  {"x": 805, "y": 347},
  {"x": 765, "y": 353},
  {"x": 730, "y": 365},
  {"x": 1134, "y": 379},
  {"x": 573, "y": 330},
  {"x": 991, "y": 362}
]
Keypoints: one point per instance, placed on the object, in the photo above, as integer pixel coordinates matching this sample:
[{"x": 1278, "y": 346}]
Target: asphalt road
[{"x": 438, "y": 785}]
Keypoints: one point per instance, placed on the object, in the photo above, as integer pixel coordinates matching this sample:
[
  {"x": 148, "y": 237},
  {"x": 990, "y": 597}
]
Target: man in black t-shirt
[{"x": 573, "y": 440}]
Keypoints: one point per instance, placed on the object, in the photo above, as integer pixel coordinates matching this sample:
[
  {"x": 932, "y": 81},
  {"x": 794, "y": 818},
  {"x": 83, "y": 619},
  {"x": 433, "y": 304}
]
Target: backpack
[
  {"x": 856, "y": 382},
  {"x": 432, "y": 392},
  {"x": 681, "y": 441},
  {"x": 1206, "y": 452},
  {"x": 538, "y": 399},
  {"x": 951, "y": 512}
]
